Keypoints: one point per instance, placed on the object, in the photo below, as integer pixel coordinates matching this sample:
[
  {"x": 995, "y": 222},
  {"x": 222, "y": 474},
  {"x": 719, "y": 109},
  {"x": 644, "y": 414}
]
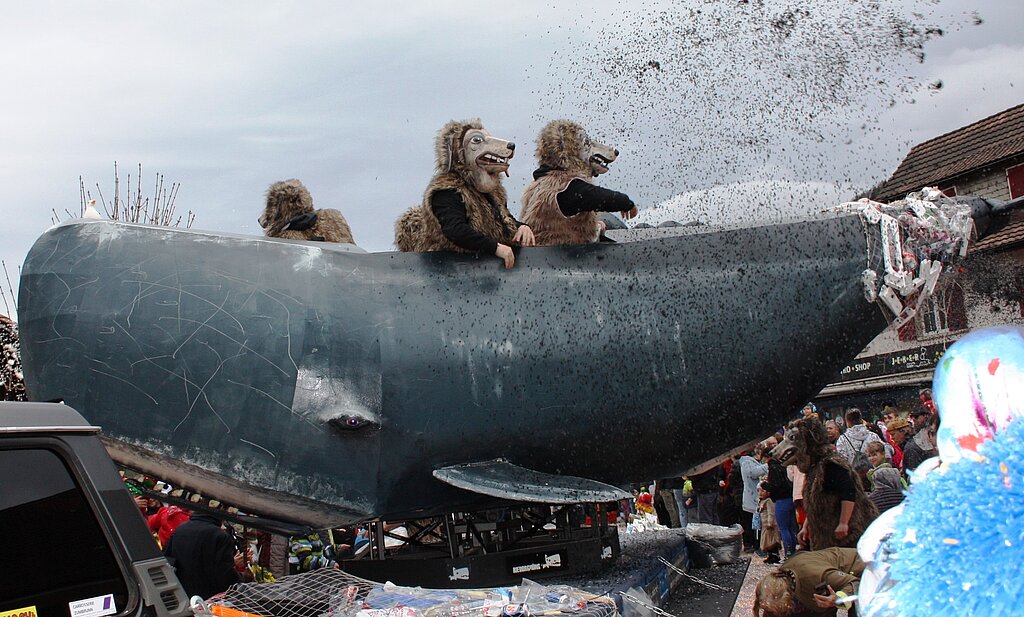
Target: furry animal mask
[
  {"x": 289, "y": 214},
  {"x": 805, "y": 441},
  {"x": 286, "y": 200},
  {"x": 467, "y": 149},
  {"x": 564, "y": 144}
]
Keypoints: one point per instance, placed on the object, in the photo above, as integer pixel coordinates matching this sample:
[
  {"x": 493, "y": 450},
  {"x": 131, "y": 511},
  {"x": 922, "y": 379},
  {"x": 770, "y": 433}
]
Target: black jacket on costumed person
[
  {"x": 582, "y": 196},
  {"x": 450, "y": 210},
  {"x": 203, "y": 556}
]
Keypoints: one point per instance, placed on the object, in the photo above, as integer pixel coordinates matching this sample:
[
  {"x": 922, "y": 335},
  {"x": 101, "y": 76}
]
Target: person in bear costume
[
  {"x": 465, "y": 207},
  {"x": 838, "y": 509},
  {"x": 289, "y": 214},
  {"x": 561, "y": 205}
]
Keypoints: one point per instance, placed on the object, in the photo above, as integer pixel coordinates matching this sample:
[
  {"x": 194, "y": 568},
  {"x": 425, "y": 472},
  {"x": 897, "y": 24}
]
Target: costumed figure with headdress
[
  {"x": 838, "y": 509},
  {"x": 561, "y": 205},
  {"x": 465, "y": 207}
]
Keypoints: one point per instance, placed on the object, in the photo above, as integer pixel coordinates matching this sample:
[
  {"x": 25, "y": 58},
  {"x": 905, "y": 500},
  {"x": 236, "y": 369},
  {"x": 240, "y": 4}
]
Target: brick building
[{"x": 986, "y": 159}]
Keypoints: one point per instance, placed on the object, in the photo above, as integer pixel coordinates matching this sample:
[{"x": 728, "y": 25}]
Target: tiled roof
[
  {"x": 971, "y": 147},
  {"x": 1012, "y": 233}
]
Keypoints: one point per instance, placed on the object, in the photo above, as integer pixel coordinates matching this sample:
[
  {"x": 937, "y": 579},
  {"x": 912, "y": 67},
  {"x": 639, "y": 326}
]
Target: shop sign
[{"x": 907, "y": 360}]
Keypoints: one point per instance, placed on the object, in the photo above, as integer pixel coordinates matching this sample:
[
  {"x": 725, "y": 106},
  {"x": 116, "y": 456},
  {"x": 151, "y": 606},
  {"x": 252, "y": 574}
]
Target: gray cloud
[{"x": 229, "y": 98}]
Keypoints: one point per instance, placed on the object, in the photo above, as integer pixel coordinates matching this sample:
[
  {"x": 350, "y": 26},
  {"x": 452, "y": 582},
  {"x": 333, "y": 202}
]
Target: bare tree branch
[{"x": 135, "y": 206}]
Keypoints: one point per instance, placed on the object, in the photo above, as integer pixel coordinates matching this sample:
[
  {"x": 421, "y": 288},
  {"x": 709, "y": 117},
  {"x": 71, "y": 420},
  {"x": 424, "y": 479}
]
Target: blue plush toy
[{"x": 956, "y": 545}]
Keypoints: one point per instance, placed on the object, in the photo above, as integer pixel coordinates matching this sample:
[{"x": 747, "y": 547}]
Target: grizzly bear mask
[
  {"x": 565, "y": 145},
  {"x": 565, "y": 154},
  {"x": 289, "y": 214}
]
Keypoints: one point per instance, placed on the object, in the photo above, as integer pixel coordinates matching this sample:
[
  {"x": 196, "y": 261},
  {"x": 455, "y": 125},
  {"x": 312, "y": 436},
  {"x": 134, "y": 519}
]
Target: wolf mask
[{"x": 468, "y": 149}]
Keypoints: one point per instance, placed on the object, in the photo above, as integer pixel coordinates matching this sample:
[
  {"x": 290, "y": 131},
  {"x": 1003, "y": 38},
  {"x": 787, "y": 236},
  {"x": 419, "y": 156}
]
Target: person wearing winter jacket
[
  {"x": 751, "y": 470},
  {"x": 855, "y": 439},
  {"x": 203, "y": 556},
  {"x": 165, "y": 521},
  {"x": 921, "y": 446},
  {"x": 888, "y": 491},
  {"x": 780, "y": 489}
]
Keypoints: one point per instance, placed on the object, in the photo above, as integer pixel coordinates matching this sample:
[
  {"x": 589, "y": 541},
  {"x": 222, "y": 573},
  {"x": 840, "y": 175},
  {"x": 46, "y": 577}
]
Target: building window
[
  {"x": 1015, "y": 180},
  {"x": 943, "y": 312},
  {"x": 948, "y": 191},
  {"x": 932, "y": 317}
]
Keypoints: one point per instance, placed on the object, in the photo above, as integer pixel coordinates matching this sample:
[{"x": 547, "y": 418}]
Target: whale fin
[{"x": 499, "y": 478}]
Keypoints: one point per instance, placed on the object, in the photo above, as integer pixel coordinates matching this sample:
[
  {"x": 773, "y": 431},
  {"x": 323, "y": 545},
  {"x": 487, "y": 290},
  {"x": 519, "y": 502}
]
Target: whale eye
[{"x": 351, "y": 423}]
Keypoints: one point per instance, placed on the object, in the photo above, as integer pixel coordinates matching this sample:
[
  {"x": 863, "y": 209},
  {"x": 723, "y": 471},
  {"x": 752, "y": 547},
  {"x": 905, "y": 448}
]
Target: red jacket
[
  {"x": 897, "y": 454},
  {"x": 166, "y": 520}
]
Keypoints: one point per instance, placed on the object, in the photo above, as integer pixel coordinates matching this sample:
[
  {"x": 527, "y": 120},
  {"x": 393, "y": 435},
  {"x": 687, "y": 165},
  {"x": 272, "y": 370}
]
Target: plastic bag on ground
[{"x": 713, "y": 545}]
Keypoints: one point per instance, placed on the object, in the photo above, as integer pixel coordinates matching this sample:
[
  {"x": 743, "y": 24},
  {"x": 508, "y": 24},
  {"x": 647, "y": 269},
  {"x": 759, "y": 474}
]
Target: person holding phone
[{"x": 811, "y": 583}]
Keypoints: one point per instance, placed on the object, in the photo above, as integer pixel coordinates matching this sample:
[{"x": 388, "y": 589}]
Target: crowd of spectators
[
  {"x": 881, "y": 452},
  {"x": 207, "y": 552}
]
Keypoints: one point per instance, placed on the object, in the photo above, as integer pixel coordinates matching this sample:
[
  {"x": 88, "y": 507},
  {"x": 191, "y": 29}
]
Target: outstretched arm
[{"x": 582, "y": 196}]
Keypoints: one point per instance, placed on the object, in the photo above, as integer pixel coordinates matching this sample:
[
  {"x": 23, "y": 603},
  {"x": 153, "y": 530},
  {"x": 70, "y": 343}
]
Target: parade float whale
[{"x": 321, "y": 384}]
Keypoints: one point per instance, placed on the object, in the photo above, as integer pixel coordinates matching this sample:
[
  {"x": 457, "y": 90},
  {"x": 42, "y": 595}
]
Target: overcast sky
[{"x": 724, "y": 109}]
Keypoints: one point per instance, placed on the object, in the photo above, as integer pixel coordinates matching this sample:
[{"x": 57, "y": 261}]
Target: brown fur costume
[
  {"x": 560, "y": 148},
  {"x": 419, "y": 230},
  {"x": 813, "y": 452},
  {"x": 289, "y": 214}
]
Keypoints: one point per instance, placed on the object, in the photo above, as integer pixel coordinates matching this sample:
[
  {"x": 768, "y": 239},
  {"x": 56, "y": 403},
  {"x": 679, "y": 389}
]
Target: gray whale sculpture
[{"x": 320, "y": 384}]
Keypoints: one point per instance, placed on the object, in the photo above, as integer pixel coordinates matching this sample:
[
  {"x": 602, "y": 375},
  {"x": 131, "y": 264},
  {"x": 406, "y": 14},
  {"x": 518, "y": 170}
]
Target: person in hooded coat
[
  {"x": 203, "y": 556},
  {"x": 888, "y": 490}
]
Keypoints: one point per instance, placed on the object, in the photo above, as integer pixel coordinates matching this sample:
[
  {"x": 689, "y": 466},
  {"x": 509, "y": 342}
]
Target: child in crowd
[
  {"x": 810, "y": 583},
  {"x": 689, "y": 500},
  {"x": 644, "y": 502},
  {"x": 878, "y": 458},
  {"x": 771, "y": 538}
]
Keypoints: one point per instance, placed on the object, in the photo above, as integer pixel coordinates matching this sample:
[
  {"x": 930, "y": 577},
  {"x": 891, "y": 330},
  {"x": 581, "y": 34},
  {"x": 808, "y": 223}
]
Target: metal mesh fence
[
  {"x": 333, "y": 593},
  {"x": 325, "y": 592}
]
